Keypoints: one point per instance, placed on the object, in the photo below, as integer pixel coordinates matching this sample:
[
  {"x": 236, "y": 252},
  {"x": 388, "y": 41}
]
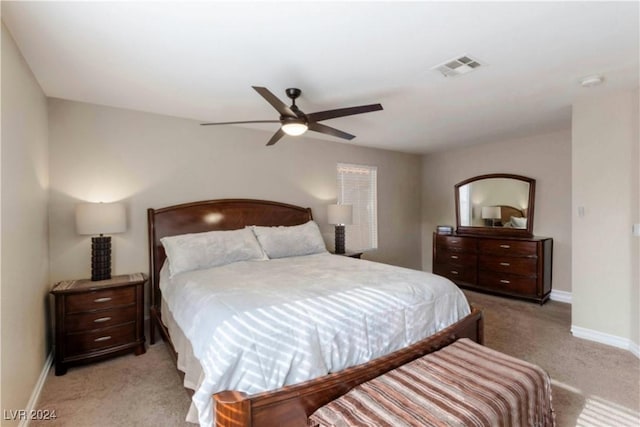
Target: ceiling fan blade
[
  {"x": 276, "y": 137},
  {"x": 235, "y": 123},
  {"x": 341, "y": 112},
  {"x": 318, "y": 127},
  {"x": 280, "y": 106}
]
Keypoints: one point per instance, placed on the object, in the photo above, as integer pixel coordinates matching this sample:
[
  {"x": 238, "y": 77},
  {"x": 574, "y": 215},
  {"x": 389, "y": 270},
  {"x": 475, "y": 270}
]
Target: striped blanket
[{"x": 463, "y": 384}]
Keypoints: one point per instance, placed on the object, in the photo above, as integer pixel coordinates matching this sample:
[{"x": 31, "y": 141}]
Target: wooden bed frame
[
  {"x": 290, "y": 405},
  {"x": 506, "y": 212}
]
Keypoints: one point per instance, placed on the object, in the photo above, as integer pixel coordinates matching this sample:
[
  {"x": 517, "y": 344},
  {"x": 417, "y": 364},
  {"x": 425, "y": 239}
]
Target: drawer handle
[
  {"x": 102, "y": 319},
  {"x": 506, "y": 264},
  {"x": 105, "y": 299},
  {"x": 454, "y": 241},
  {"x": 504, "y": 281},
  {"x": 108, "y": 337},
  {"x": 505, "y": 246},
  {"x": 454, "y": 272},
  {"x": 454, "y": 256}
]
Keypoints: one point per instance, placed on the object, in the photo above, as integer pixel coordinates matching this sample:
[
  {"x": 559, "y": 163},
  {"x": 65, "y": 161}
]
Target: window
[
  {"x": 465, "y": 205},
  {"x": 357, "y": 186}
]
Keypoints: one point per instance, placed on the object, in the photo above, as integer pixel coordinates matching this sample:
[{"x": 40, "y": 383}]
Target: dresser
[
  {"x": 98, "y": 319},
  {"x": 512, "y": 266}
]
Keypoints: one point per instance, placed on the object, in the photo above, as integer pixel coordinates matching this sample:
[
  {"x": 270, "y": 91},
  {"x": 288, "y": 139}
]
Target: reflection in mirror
[
  {"x": 494, "y": 202},
  {"x": 498, "y": 204}
]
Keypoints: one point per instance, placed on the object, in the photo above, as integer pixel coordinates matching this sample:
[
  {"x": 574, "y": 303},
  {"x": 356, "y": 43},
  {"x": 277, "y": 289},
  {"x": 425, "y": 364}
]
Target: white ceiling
[{"x": 199, "y": 61}]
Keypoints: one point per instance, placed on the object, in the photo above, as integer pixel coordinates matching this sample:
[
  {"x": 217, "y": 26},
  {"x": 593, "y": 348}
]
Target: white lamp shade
[
  {"x": 294, "y": 128},
  {"x": 491, "y": 212},
  {"x": 100, "y": 218},
  {"x": 340, "y": 214}
]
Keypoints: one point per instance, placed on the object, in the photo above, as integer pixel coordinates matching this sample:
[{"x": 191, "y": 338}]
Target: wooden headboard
[
  {"x": 211, "y": 215},
  {"x": 506, "y": 212}
]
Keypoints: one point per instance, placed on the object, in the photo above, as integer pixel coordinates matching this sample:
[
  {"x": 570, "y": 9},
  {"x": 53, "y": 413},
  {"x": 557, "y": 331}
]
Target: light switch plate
[{"x": 636, "y": 229}]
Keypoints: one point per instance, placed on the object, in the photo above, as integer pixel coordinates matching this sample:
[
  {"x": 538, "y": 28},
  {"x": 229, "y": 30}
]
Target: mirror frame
[{"x": 493, "y": 231}]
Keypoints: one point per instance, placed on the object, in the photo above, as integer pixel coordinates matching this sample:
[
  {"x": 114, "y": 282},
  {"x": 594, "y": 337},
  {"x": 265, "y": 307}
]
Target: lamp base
[
  {"x": 340, "y": 239},
  {"x": 100, "y": 258}
]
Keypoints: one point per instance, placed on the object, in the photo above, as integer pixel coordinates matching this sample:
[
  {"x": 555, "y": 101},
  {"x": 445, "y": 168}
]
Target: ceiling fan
[{"x": 294, "y": 122}]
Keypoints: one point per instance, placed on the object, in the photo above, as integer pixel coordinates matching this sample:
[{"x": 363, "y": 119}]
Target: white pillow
[
  {"x": 196, "y": 251},
  {"x": 519, "y": 222},
  {"x": 296, "y": 240}
]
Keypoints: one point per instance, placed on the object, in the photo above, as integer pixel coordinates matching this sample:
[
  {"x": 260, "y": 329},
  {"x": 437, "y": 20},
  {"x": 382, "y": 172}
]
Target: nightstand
[
  {"x": 350, "y": 254},
  {"x": 96, "y": 320}
]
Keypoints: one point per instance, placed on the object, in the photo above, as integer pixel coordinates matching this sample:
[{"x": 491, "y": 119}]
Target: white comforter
[{"x": 259, "y": 325}]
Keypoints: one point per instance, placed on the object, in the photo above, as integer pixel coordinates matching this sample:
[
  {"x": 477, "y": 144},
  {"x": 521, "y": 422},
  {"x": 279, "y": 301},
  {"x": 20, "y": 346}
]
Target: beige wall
[
  {"x": 605, "y": 176},
  {"x": 24, "y": 254},
  {"x": 147, "y": 160},
  {"x": 546, "y": 158}
]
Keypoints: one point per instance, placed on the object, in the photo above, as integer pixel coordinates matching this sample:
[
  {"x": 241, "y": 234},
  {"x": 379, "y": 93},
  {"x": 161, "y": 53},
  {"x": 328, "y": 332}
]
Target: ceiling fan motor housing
[{"x": 293, "y": 93}]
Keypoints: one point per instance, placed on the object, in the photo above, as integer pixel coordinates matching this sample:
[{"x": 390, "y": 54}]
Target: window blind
[{"x": 357, "y": 186}]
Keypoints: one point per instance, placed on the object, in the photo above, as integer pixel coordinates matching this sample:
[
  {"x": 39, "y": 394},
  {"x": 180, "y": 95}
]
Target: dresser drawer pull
[
  {"x": 105, "y": 338},
  {"x": 102, "y": 319},
  {"x": 506, "y": 264},
  {"x": 105, "y": 299},
  {"x": 505, "y": 281},
  {"x": 454, "y": 272},
  {"x": 454, "y": 241},
  {"x": 454, "y": 256},
  {"x": 505, "y": 246}
]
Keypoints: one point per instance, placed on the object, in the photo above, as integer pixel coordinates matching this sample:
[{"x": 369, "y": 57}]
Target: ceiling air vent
[{"x": 458, "y": 66}]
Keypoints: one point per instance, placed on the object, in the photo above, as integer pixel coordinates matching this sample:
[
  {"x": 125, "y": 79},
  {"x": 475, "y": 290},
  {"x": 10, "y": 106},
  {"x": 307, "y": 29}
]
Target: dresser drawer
[
  {"x": 97, "y": 300},
  {"x": 510, "y": 265},
  {"x": 508, "y": 247},
  {"x": 456, "y": 258},
  {"x": 100, "y": 319},
  {"x": 456, "y": 273},
  {"x": 456, "y": 243},
  {"x": 508, "y": 283},
  {"x": 80, "y": 343}
]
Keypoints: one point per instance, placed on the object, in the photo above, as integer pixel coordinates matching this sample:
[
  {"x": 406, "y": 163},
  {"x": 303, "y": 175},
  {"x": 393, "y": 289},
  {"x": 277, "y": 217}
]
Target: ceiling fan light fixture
[{"x": 294, "y": 128}]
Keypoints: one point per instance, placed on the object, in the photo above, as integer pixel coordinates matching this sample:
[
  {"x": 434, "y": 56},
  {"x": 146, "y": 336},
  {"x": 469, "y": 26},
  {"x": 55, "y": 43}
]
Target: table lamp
[
  {"x": 340, "y": 215},
  {"x": 491, "y": 213},
  {"x": 99, "y": 219}
]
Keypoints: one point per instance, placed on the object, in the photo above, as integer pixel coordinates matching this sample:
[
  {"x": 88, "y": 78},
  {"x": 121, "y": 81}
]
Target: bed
[
  {"x": 512, "y": 217},
  {"x": 289, "y": 395}
]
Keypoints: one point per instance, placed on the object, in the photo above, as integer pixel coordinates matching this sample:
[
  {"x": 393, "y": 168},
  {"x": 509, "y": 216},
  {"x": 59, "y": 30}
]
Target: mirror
[{"x": 500, "y": 204}]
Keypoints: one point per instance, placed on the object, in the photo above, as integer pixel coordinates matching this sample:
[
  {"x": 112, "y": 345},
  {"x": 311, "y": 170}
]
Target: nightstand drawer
[
  {"x": 96, "y": 300},
  {"x": 80, "y": 343},
  {"x": 100, "y": 319}
]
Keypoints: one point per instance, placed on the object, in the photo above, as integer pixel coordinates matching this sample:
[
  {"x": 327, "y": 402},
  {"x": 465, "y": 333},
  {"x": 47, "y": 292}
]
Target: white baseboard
[
  {"x": 635, "y": 349},
  {"x": 608, "y": 339},
  {"x": 561, "y": 296},
  {"x": 35, "y": 394}
]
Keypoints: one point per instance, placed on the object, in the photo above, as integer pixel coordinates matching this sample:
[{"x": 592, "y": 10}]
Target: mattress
[{"x": 256, "y": 326}]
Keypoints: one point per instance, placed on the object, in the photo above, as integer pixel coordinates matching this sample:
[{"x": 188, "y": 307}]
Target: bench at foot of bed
[{"x": 463, "y": 384}]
